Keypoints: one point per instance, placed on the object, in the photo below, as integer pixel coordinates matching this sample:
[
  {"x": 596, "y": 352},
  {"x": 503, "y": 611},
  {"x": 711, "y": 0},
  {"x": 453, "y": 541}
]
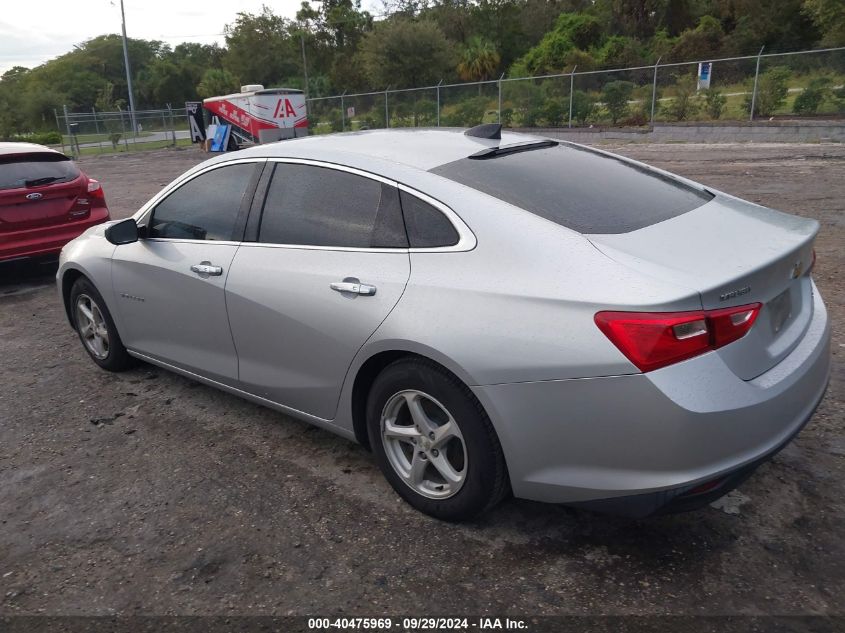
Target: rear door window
[
  {"x": 577, "y": 188},
  {"x": 427, "y": 226},
  {"x": 35, "y": 171},
  {"x": 205, "y": 207},
  {"x": 319, "y": 206}
]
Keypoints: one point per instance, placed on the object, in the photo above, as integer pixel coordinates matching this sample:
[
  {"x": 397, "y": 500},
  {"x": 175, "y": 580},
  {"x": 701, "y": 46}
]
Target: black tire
[
  {"x": 485, "y": 474},
  {"x": 116, "y": 358}
]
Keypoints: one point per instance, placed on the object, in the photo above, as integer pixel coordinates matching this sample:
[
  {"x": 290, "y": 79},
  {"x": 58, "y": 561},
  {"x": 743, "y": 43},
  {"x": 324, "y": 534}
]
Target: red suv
[{"x": 45, "y": 201}]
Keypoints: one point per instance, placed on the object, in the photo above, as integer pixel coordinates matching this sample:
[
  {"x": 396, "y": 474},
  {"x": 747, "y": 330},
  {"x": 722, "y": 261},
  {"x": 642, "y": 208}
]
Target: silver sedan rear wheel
[
  {"x": 92, "y": 326},
  {"x": 423, "y": 444}
]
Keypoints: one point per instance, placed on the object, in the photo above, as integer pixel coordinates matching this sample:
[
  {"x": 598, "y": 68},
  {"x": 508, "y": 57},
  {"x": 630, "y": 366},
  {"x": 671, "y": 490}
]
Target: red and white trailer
[{"x": 262, "y": 115}]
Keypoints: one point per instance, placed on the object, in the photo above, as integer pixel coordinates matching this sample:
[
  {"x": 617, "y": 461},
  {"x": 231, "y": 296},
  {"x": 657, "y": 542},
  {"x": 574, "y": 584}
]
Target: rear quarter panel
[{"x": 520, "y": 305}]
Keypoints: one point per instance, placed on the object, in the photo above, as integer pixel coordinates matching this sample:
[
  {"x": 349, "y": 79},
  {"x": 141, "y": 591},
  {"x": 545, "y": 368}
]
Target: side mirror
[{"x": 124, "y": 232}]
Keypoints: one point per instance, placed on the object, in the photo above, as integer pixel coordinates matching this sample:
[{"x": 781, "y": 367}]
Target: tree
[
  {"x": 261, "y": 49},
  {"x": 11, "y": 117},
  {"x": 620, "y": 52},
  {"x": 635, "y": 18},
  {"x": 164, "y": 81},
  {"x": 572, "y": 33},
  {"x": 829, "y": 17},
  {"x": 615, "y": 96},
  {"x": 479, "y": 60},
  {"x": 702, "y": 42},
  {"x": 106, "y": 103},
  {"x": 403, "y": 53},
  {"x": 217, "y": 82}
]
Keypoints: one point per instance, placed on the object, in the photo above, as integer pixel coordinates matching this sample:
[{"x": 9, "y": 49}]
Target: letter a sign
[{"x": 195, "y": 121}]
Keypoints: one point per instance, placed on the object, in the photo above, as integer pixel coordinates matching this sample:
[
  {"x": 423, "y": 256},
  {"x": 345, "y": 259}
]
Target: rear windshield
[
  {"x": 577, "y": 188},
  {"x": 35, "y": 171}
]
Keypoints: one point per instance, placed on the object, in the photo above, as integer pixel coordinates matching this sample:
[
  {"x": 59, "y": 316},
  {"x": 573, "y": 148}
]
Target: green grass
[
  {"x": 103, "y": 137},
  {"x": 134, "y": 147}
]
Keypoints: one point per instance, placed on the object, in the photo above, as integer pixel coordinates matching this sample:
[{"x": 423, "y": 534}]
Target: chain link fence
[
  {"x": 794, "y": 85},
  {"x": 804, "y": 84},
  {"x": 96, "y": 132}
]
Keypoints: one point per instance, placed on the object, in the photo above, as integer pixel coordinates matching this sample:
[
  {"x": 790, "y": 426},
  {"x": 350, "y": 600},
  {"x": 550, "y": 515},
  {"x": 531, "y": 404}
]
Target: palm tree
[{"x": 479, "y": 60}]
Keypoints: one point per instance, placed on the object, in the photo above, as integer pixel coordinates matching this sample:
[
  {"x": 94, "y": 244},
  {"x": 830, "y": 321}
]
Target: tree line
[{"x": 411, "y": 43}]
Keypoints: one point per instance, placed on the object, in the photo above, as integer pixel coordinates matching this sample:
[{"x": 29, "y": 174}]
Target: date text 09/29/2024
[{"x": 418, "y": 624}]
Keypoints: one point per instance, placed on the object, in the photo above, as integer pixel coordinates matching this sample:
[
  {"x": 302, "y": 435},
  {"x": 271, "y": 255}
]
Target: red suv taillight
[{"x": 652, "y": 340}]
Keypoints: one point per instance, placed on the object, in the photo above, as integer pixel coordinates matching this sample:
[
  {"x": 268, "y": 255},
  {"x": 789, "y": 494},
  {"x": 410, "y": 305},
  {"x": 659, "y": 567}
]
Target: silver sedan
[{"x": 488, "y": 312}]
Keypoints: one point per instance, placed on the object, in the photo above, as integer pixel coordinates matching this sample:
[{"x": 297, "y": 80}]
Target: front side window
[
  {"x": 204, "y": 208},
  {"x": 320, "y": 206}
]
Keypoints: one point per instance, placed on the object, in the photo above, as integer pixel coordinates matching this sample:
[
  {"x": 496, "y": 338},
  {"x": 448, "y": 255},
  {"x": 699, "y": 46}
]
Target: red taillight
[
  {"x": 96, "y": 193},
  {"x": 812, "y": 263},
  {"x": 93, "y": 197},
  {"x": 652, "y": 340}
]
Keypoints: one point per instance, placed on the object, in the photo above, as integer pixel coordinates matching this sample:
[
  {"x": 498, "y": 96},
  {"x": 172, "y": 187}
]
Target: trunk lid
[
  {"x": 733, "y": 253},
  {"x": 40, "y": 191}
]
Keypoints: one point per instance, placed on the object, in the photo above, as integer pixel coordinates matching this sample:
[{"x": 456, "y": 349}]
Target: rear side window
[
  {"x": 204, "y": 208},
  {"x": 320, "y": 206},
  {"x": 577, "y": 188},
  {"x": 35, "y": 171},
  {"x": 427, "y": 227}
]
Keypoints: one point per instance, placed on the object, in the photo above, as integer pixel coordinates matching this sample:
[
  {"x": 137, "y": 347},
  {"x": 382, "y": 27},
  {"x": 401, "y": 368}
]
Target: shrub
[
  {"x": 637, "y": 118},
  {"x": 683, "y": 105},
  {"x": 714, "y": 103},
  {"x": 583, "y": 107},
  {"x": 425, "y": 112},
  {"x": 772, "y": 89},
  {"x": 812, "y": 96},
  {"x": 468, "y": 112},
  {"x": 839, "y": 98},
  {"x": 615, "y": 96},
  {"x": 554, "y": 111},
  {"x": 39, "y": 138}
]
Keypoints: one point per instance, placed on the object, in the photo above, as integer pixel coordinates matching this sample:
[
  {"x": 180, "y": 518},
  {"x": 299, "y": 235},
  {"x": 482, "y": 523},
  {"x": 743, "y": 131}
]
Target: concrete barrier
[{"x": 705, "y": 132}]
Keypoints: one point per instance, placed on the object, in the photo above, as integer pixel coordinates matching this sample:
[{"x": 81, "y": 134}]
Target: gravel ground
[{"x": 146, "y": 493}]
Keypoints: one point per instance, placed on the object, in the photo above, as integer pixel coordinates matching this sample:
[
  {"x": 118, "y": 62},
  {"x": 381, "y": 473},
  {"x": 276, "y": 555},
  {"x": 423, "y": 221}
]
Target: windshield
[
  {"x": 35, "y": 171},
  {"x": 577, "y": 188}
]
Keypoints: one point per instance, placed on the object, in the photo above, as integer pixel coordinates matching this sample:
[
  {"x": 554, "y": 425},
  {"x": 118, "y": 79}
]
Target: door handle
[
  {"x": 354, "y": 287},
  {"x": 206, "y": 268}
]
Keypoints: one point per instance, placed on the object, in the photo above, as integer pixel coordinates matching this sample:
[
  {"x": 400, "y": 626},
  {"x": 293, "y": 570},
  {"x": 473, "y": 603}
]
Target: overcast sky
[{"x": 33, "y": 31}]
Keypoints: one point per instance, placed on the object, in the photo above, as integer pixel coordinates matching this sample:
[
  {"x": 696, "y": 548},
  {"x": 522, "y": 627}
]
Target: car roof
[
  {"x": 422, "y": 149},
  {"x": 10, "y": 148}
]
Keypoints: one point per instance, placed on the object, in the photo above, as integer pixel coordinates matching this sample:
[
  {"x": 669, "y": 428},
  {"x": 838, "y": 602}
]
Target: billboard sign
[
  {"x": 196, "y": 122},
  {"x": 705, "y": 70}
]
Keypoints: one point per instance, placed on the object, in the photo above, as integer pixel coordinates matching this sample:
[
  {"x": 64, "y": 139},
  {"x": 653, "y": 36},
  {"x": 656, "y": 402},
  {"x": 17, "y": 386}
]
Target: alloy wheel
[
  {"x": 423, "y": 444},
  {"x": 92, "y": 326}
]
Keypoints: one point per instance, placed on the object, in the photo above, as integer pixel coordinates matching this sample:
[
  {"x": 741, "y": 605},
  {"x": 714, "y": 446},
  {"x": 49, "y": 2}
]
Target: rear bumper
[
  {"x": 637, "y": 444},
  {"x": 47, "y": 240}
]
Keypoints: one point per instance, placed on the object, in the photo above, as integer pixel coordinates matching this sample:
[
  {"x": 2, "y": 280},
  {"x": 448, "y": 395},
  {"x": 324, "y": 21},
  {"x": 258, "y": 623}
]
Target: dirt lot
[{"x": 145, "y": 493}]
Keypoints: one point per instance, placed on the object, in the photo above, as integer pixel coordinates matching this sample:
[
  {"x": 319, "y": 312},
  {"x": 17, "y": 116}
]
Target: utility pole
[{"x": 128, "y": 70}]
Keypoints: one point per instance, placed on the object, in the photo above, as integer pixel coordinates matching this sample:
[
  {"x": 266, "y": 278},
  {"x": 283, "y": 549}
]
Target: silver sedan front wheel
[
  {"x": 92, "y": 326},
  {"x": 423, "y": 444}
]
